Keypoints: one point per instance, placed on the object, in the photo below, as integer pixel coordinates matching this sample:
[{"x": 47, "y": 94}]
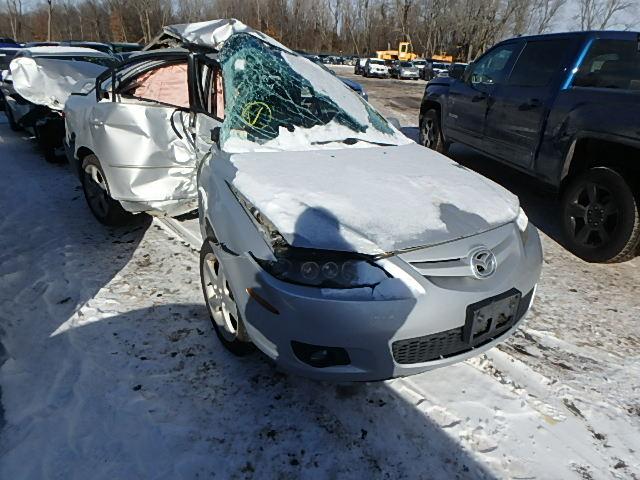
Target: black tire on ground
[
  {"x": 47, "y": 146},
  {"x": 96, "y": 192},
  {"x": 601, "y": 216},
  {"x": 431, "y": 133},
  {"x": 12, "y": 122},
  {"x": 240, "y": 345}
]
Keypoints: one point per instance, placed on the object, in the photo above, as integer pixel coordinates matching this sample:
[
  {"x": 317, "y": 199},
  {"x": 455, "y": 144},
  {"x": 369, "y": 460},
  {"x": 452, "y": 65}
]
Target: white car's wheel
[
  {"x": 221, "y": 303},
  {"x": 96, "y": 192}
]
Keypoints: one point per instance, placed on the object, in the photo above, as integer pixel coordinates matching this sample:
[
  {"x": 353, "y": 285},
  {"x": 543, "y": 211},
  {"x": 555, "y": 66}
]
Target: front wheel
[
  {"x": 431, "y": 133},
  {"x": 601, "y": 216},
  {"x": 221, "y": 304},
  {"x": 96, "y": 192}
]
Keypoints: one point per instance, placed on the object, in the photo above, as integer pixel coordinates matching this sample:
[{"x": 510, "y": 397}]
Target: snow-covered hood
[
  {"x": 50, "y": 82},
  {"x": 370, "y": 200},
  {"x": 212, "y": 34}
]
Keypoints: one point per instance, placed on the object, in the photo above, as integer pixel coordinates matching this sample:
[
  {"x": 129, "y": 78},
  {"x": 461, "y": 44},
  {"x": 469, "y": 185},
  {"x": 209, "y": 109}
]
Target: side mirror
[
  {"x": 215, "y": 136},
  {"x": 395, "y": 122}
]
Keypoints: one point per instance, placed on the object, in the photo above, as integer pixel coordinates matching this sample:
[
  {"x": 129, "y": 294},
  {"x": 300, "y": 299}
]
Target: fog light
[{"x": 320, "y": 356}]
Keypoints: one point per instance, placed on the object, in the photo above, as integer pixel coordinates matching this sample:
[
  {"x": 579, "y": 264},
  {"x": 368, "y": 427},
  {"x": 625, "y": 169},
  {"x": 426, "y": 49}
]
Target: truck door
[
  {"x": 470, "y": 98},
  {"x": 516, "y": 119}
]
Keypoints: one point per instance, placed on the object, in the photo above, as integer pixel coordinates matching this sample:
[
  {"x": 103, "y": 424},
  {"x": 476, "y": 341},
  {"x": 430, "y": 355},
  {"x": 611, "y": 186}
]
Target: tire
[
  {"x": 601, "y": 216},
  {"x": 223, "y": 311},
  {"x": 47, "y": 147},
  {"x": 12, "y": 122},
  {"x": 96, "y": 192},
  {"x": 431, "y": 133}
]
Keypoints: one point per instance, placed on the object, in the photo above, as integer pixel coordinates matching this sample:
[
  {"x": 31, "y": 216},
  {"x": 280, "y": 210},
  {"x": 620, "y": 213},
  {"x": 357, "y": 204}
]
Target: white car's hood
[
  {"x": 50, "y": 82},
  {"x": 370, "y": 200}
]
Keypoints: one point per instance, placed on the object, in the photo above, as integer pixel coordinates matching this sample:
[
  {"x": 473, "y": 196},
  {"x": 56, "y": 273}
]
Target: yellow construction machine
[{"x": 403, "y": 53}]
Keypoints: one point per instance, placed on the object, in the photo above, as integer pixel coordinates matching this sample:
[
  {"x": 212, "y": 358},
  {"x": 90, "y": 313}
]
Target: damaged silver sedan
[{"x": 332, "y": 243}]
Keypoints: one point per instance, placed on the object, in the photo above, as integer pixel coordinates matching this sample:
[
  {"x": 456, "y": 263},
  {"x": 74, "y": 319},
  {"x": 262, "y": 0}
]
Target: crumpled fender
[{"x": 49, "y": 82}]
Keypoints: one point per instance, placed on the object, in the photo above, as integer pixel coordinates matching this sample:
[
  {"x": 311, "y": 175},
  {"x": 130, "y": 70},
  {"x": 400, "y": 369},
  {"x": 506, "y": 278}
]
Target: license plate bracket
[{"x": 490, "y": 317}]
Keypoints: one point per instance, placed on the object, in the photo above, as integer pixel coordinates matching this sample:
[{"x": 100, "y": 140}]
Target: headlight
[
  {"x": 319, "y": 268},
  {"x": 523, "y": 222},
  {"x": 305, "y": 266}
]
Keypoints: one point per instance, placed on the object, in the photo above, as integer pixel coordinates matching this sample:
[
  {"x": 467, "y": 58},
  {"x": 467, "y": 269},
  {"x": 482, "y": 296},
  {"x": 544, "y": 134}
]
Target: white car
[
  {"x": 375, "y": 67},
  {"x": 37, "y": 84},
  {"x": 332, "y": 243}
]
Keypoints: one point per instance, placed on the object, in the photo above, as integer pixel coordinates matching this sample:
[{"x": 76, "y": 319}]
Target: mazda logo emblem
[{"x": 483, "y": 262}]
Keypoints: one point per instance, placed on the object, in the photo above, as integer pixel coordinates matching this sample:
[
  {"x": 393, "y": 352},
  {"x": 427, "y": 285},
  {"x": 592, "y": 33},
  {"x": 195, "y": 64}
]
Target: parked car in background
[
  {"x": 124, "y": 47},
  {"x": 568, "y": 118},
  {"x": 6, "y": 42},
  {"x": 101, "y": 47},
  {"x": 420, "y": 63},
  {"x": 352, "y": 84},
  {"x": 456, "y": 70},
  {"x": 404, "y": 70},
  {"x": 427, "y": 73},
  {"x": 6, "y": 55},
  {"x": 440, "y": 69},
  {"x": 358, "y": 68},
  {"x": 40, "y": 81},
  {"x": 375, "y": 67},
  {"x": 41, "y": 44}
]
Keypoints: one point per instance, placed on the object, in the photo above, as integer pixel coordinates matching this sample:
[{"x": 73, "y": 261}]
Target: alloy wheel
[
  {"x": 429, "y": 133},
  {"x": 593, "y": 215},
  {"x": 220, "y": 301}
]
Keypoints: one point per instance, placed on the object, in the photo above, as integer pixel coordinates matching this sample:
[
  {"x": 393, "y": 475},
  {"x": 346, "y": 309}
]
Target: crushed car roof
[{"x": 210, "y": 34}]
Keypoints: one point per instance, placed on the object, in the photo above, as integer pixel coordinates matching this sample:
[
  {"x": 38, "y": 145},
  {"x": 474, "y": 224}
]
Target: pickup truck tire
[
  {"x": 223, "y": 311},
  {"x": 96, "y": 192},
  {"x": 601, "y": 216},
  {"x": 431, "y": 133}
]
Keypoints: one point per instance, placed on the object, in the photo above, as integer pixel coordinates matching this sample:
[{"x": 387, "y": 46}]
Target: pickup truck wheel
[
  {"x": 96, "y": 192},
  {"x": 221, "y": 304},
  {"x": 431, "y": 133},
  {"x": 601, "y": 216}
]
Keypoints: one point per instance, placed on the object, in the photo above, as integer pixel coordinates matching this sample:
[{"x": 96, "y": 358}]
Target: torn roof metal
[{"x": 210, "y": 34}]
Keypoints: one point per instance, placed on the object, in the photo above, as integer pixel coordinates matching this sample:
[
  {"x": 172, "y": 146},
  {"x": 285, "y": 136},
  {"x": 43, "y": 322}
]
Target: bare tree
[
  {"x": 14, "y": 12},
  {"x": 50, "y": 14},
  {"x": 597, "y": 14}
]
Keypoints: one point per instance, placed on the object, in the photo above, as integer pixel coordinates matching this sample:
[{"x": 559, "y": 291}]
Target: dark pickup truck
[{"x": 564, "y": 108}]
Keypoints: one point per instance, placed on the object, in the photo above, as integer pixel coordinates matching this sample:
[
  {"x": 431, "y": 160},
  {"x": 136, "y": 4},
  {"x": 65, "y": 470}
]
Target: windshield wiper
[{"x": 353, "y": 141}]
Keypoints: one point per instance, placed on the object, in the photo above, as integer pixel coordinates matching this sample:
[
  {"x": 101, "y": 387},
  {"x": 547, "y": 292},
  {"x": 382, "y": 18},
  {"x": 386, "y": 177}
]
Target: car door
[
  {"x": 521, "y": 104},
  {"x": 139, "y": 130},
  {"x": 470, "y": 98},
  {"x": 207, "y": 104}
]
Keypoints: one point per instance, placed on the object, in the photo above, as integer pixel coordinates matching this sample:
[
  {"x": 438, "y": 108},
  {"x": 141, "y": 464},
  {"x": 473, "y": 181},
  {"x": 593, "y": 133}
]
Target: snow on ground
[{"x": 111, "y": 369}]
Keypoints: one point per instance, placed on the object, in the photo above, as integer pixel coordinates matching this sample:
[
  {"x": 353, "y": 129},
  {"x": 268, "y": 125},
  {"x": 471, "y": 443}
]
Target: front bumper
[
  {"x": 366, "y": 325},
  {"x": 409, "y": 76},
  {"x": 378, "y": 74}
]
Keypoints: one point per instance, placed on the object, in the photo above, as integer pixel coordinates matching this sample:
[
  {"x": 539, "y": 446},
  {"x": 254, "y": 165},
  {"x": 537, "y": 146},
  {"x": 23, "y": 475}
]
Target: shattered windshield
[{"x": 276, "y": 100}]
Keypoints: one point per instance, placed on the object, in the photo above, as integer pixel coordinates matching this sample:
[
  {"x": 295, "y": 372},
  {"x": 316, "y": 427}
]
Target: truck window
[
  {"x": 491, "y": 68},
  {"x": 537, "y": 64},
  {"x": 610, "y": 64}
]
